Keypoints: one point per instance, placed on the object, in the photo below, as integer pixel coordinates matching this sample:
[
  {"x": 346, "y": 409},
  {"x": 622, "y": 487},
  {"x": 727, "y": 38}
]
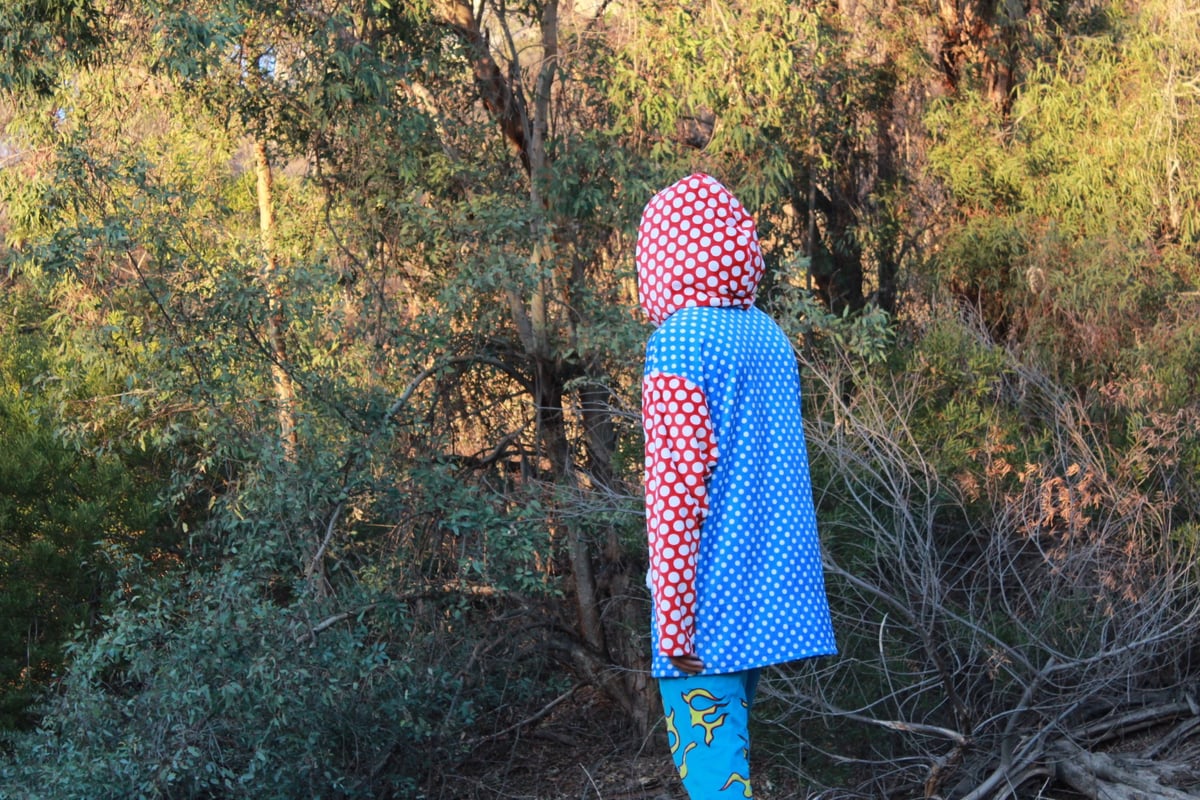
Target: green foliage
[
  {"x": 498, "y": 539},
  {"x": 348, "y": 615},
  {"x": 683, "y": 65},
  {"x": 1079, "y": 147},
  {"x": 1079, "y": 227},
  {"x": 40, "y": 37},
  {"x": 142, "y": 230},
  {"x": 59, "y": 505},
  {"x": 867, "y": 335},
  {"x": 199, "y": 685},
  {"x": 967, "y": 411},
  {"x": 231, "y": 674}
]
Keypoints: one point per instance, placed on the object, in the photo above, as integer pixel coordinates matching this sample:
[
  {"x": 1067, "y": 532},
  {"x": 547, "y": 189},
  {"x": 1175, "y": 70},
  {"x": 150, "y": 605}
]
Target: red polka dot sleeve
[{"x": 681, "y": 450}]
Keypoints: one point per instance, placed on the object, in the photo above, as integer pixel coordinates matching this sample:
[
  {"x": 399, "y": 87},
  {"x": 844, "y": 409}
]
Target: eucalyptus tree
[{"x": 367, "y": 298}]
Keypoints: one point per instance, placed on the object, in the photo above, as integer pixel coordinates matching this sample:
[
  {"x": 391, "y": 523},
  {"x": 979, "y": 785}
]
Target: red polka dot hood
[{"x": 696, "y": 246}]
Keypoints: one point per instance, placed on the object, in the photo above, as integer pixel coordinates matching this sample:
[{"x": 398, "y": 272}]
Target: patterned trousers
[{"x": 708, "y": 733}]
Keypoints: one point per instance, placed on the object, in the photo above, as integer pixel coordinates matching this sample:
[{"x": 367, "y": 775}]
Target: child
[{"x": 735, "y": 564}]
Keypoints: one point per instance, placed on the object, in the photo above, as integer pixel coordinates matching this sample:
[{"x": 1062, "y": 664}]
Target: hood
[{"x": 696, "y": 246}]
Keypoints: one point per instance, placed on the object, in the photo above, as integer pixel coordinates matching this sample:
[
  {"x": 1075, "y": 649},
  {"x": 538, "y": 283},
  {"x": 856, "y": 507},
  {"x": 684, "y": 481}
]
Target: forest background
[{"x": 319, "y": 370}]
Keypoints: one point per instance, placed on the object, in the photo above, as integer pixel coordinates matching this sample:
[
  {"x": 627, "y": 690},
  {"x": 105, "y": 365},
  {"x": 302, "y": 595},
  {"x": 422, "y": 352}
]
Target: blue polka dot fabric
[{"x": 736, "y": 572}]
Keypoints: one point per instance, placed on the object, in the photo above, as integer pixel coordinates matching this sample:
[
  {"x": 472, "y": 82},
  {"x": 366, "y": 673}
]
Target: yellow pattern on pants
[{"x": 708, "y": 732}]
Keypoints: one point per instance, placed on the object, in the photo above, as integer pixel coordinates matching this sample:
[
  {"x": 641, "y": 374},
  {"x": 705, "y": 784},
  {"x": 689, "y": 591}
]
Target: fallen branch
[
  {"x": 1133, "y": 721},
  {"x": 1103, "y": 776},
  {"x": 909, "y": 727},
  {"x": 1181, "y": 733},
  {"x": 530, "y": 720}
]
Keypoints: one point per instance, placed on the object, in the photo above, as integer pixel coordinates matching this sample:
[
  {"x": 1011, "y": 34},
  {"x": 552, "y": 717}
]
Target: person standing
[{"x": 735, "y": 565}]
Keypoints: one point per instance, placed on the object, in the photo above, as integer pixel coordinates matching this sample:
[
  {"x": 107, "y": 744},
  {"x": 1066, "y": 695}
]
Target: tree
[
  {"x": 557, "y": 302},
  {"x": 167, "y": 230}
]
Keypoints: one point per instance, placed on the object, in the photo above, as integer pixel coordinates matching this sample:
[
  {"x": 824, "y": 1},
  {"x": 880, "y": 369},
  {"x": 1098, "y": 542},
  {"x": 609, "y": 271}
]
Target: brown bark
[
  {"x": 495, "y": 90},
  {"x": 985, "y": 33}
]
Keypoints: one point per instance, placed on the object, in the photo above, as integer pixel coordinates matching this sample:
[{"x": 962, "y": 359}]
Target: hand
[{"x": 690, "y": 664}]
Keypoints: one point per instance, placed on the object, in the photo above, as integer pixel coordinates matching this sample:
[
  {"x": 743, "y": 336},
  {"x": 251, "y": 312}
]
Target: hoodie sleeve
[{"x": 681, "y": 451}]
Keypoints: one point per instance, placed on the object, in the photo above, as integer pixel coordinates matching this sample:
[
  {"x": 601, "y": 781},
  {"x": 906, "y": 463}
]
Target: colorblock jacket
[{"x": 735, "y": 563}]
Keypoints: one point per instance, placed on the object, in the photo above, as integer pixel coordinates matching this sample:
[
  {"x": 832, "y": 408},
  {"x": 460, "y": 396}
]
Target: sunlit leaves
[
  {"x": 687, "y": 76},
  {"x": 1081, "y": 212},
  {"x": 1098, "y": 140}
]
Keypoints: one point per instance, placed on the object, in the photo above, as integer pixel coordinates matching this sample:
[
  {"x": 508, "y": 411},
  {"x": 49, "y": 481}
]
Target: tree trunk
[
  {"x": 543, "y": 319},
  {"x": 840, "y": 276},
  {"x": 285, "y": 392},
  {"x": 887, "y": 177},
  {"x": 983, "y": 32}
]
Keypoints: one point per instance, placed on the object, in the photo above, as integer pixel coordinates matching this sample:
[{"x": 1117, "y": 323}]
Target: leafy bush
[
  {"x": 201, "y": 684},
  {"x": 58, "y": 504}
]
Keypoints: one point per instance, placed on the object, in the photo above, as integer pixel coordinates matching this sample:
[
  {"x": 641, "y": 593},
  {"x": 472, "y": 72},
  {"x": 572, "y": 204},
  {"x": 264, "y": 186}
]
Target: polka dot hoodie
[{"x": 735, "y": 564}]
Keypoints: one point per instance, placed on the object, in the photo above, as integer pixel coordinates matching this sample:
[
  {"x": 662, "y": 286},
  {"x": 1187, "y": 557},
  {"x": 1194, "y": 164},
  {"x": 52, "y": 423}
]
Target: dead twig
[{"x": 534, "y": 718}]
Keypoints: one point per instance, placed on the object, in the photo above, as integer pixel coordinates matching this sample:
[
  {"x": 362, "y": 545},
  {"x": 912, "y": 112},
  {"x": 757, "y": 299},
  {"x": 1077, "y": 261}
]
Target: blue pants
[{"x": 708, "y": 732}]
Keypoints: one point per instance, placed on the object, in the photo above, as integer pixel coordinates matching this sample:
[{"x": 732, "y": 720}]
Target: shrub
[{"x": 202, "y": 685}]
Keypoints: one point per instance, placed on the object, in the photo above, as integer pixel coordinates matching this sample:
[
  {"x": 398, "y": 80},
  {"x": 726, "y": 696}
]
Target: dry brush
[{"x": 1024, "y": 628}]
